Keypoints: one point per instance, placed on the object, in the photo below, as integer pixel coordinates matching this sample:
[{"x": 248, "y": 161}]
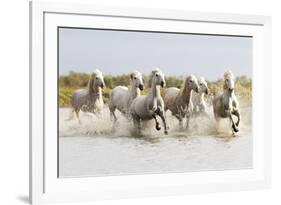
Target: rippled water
[{"x": 97, "y": 148}]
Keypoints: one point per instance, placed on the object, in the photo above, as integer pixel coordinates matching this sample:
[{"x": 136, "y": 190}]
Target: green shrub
[{"x": 65, "y": 96}]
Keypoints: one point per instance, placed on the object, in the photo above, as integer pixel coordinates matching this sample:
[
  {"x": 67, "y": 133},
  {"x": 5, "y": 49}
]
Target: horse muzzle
[
  {"x": 141, "y": 87},
  {"x": 207, "y": 92},
  {"x": 230, "y": 89},
  {"x": 162, "y": 84}
]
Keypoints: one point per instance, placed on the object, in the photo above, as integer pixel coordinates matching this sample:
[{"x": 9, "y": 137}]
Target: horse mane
[
  {"x": 151, "y": 76},
  {"x": 183, "y": 87}
]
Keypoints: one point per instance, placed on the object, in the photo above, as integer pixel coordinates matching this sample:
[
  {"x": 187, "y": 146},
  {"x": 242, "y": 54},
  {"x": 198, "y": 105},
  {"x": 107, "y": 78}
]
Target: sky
[{"x": 121, "y": 52}]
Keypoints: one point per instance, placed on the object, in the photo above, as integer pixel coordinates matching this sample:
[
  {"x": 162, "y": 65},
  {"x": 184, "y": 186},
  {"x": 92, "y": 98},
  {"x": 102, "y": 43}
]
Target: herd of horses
[{"x": 182, "y": 103}]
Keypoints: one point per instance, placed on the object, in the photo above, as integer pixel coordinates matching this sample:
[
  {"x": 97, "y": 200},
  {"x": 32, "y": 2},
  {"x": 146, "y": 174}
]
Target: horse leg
[
  {"x": 77, "y": 115},
  {"x": 139, "y": 125},
  {"x": 187, "y": 120},
  {"x": 234, "y": 127},
  {"x": 114, "y": 119},
  {"x": 112, "y": 112},
  {"x": 217, "y": 124},
  {"x": 163, "y": 117},
  {"x": 157, "y": 126},
  {"x": 237, "y": 114},
  {"x": 112, "y": 115},
  {"x": 195, "y": 111},
  {"x": 136, "y": 121},
  {"x": 179, "y": 117}
]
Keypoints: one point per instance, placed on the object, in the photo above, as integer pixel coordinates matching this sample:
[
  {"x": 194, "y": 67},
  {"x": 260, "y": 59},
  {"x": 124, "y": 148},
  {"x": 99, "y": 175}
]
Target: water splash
[{"x": 98, "y": 126}]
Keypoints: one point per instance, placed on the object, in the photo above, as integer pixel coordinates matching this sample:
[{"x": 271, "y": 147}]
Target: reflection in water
[{"x": 96, "y": 147}]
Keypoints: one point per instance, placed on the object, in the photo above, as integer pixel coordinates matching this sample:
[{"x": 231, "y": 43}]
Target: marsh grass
[{"x": 74, "y": 80}]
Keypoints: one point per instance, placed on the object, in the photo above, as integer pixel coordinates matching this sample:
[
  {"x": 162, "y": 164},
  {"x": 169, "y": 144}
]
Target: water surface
[{"x": 96, "y": 148}]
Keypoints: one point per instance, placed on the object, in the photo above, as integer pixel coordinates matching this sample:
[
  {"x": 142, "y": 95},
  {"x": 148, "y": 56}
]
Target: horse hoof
[
  {"x": 165, "y": 132},
  {"x": 235, "y": 129},
  {"x": 158, "y": 127}
]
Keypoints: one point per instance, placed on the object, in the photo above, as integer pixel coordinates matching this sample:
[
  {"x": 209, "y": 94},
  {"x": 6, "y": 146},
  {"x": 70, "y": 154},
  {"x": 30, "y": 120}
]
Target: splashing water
[{"x": 97, "y": 147}]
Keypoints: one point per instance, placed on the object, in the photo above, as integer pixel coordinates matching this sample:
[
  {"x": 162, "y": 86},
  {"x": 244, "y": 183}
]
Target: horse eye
[
  {"x": 135, "y": 78},
  {"x": 157, "y": 75},
  {"x": 200, "y": 84},
  {"x": 97, "y": 78}
]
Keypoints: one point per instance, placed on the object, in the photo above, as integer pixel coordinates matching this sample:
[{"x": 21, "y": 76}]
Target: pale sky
[{"x": 120, "y": 52}]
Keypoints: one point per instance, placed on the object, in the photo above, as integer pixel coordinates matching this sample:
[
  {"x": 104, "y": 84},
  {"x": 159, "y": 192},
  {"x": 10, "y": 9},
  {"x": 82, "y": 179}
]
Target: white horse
[
  {"x": 198, "y": 99},
  {"x": 89, "y": 99},
  {"x": 226, "y": 104},
  {"x": 178, "y": 101},
  {"x": 122, "y": 97},
  {"x": 145, "y": 108}
]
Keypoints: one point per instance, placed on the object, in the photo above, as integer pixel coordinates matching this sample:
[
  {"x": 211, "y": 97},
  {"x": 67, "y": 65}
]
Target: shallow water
[{"x": 97, "y": 148}]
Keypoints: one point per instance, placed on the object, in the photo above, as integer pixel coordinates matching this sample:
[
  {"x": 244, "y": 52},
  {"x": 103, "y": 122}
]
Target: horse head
[
  {"x": 191, "y": 83},
  {"x": 96, "y": 81},
  {"x": 136, "y": 80},
  {"x": 203, "y": 85},
  {"x": 228, "y": 81},
  {"x": 158, "y": 78}
]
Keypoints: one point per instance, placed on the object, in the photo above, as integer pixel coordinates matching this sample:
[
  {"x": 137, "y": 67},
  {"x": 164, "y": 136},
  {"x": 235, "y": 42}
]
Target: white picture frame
[{"x": 45, "y": 186}]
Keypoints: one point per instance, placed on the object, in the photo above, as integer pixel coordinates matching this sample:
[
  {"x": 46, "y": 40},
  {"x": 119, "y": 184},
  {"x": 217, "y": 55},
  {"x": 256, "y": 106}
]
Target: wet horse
[
  {"x": 147, "y": 107},
  {"x": 226, "y": 104}
]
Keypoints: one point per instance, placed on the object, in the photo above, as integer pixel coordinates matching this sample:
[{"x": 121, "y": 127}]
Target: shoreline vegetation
[{"x": 76, "y": 80}]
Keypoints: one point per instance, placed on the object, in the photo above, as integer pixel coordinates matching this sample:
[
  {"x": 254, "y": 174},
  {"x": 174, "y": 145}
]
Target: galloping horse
[
  {"x": 226, "y": 104},
  {"x": 148, "y": 107}
]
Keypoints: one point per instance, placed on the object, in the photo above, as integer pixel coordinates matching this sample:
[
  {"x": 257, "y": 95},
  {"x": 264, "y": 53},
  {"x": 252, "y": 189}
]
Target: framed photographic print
[{"x": 129, "y": 102}]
